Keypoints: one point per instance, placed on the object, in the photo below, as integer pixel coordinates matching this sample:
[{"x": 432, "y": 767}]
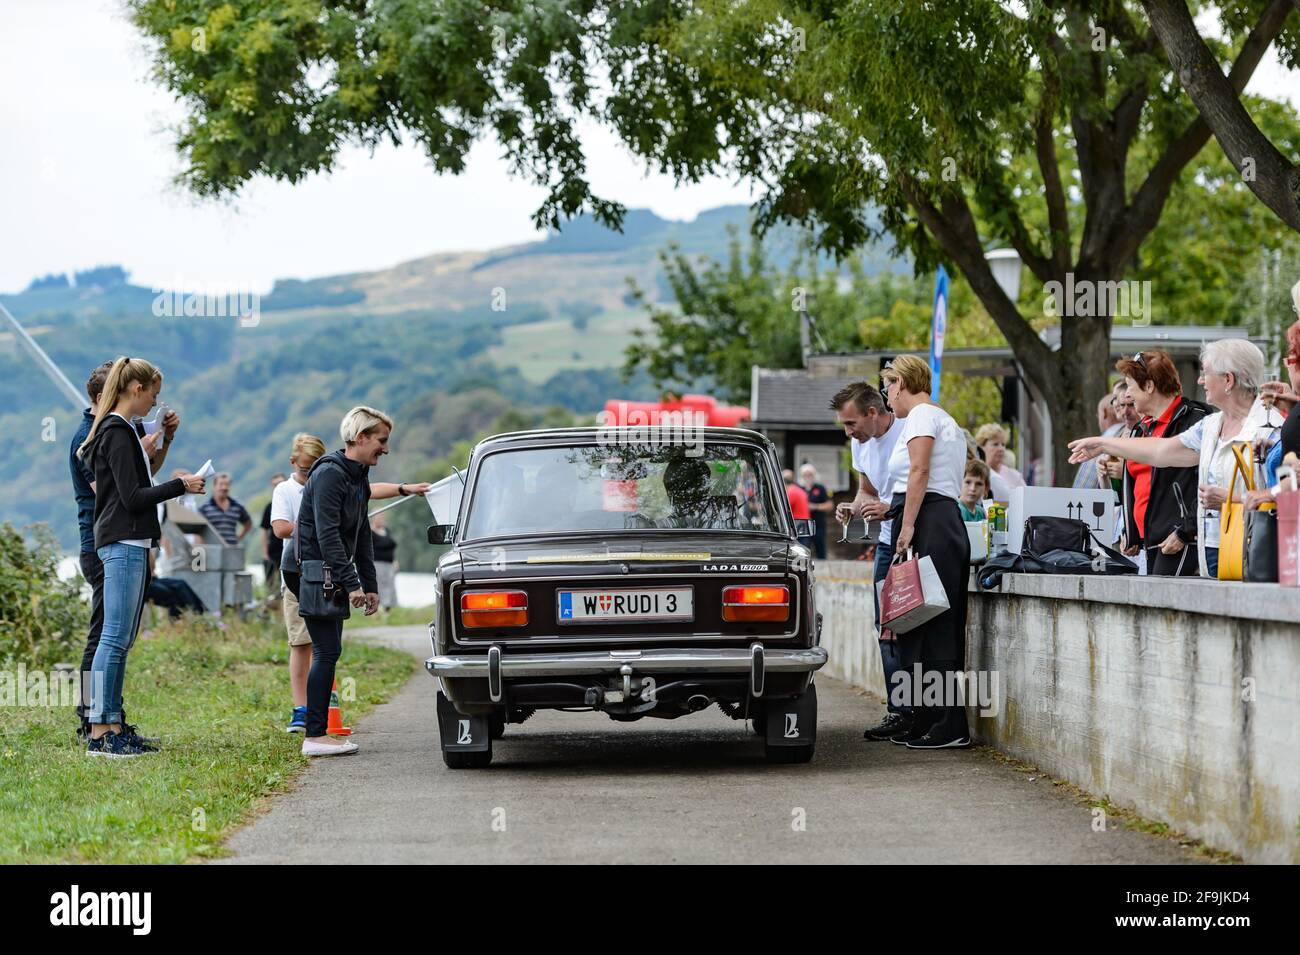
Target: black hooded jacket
[
  {"x": 332, "y": 515},
  {"x": 1163, "y": 513},
  {"x": 126, "y": 500}
]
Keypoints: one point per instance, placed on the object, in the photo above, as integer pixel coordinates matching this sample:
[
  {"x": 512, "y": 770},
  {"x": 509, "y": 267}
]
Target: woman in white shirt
[
  {"x": 1232, "y": 371},
  {"x": 929, "y": 460}
]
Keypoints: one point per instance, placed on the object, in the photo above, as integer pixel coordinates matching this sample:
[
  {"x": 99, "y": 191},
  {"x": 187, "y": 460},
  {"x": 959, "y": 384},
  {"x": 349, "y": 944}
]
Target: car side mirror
[
  {"x": 441, "y": 533},
  {"x": 805, "y": 528}
]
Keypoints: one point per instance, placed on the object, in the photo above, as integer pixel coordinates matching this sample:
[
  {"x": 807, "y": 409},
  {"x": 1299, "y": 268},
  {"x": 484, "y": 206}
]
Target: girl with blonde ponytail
[{"x": 126, "y": 528}]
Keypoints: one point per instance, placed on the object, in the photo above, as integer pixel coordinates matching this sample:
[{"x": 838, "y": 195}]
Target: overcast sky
[{"x": 86, "y": 164}]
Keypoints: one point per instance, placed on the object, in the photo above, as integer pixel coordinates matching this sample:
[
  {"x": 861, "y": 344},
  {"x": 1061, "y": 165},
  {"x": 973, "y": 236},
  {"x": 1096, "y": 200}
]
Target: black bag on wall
[{"x": 1043, "y": 534}]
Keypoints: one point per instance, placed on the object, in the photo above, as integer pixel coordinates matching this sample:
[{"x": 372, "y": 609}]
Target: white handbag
[{"x": 911, "y": 593}]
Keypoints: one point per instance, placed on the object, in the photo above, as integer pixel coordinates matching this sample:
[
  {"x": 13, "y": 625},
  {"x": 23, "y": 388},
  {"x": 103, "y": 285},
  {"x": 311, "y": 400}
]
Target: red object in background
[
  {"x": 798, "y": 502},
  {"x": 689, "y": 409}
]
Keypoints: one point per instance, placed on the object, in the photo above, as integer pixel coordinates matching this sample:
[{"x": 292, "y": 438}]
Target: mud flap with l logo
[
  {"x": 460, "y": 733},
  {"x": 793, "y": 722}
]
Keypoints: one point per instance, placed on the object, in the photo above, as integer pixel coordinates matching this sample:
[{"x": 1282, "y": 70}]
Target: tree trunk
[{"x": 1084, "y": 367}]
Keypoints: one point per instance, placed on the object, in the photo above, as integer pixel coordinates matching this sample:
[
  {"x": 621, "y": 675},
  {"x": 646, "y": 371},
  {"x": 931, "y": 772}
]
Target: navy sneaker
[
  {"x": 298, "y": 721},
  {"x": 145, "y": 744},
  {"x": 113, "y": 745}
]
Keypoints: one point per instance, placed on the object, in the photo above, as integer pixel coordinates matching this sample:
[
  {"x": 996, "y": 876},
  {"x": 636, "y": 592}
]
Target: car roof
[{"x": 632, "y": 434}]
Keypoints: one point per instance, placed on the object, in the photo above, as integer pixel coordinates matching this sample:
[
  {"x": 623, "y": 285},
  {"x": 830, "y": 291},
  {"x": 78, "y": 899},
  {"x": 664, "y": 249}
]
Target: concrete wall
[{"x": 1139, "y": 689}]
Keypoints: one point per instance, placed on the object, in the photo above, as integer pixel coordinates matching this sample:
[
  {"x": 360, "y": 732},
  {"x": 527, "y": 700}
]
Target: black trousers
[
  {"x": 326, "y": 645},
  {"x": 92, "y": 568},
  {"x": 939, "y": 644},
  {"x": 1182, "y": 564}
]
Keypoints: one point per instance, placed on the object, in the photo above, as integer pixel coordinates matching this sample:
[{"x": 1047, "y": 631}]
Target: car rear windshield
[{"x": 722, "y": 487}]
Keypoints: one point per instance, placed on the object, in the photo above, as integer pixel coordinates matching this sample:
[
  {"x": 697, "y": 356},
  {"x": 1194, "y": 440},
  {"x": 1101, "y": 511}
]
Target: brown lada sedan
[{"x": 625, "y": 571}]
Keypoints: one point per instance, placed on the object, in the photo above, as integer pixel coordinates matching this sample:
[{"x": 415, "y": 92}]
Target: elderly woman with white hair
[
  {"x": 820, "y": 504},
  {"x": 336, "y": 558},
  {"x": 1232, "y": 370}
]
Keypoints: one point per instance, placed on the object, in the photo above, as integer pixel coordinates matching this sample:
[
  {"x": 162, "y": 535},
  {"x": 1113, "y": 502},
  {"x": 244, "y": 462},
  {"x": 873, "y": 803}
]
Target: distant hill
[{"x": 443, "y": 342}]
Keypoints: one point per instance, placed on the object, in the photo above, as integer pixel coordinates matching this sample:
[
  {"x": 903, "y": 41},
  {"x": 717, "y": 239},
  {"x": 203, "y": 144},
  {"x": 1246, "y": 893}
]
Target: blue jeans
[
  {"x": 126, "y": 569},
  {"x": 888, "y": 648},
  {"x": 1212, "y": 562}
]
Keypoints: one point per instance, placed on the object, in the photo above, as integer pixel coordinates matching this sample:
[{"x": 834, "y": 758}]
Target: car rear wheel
[{"x": 497, "y": 725}]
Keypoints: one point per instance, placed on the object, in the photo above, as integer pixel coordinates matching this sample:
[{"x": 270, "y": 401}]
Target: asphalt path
[{"x": 578, "y": 787}]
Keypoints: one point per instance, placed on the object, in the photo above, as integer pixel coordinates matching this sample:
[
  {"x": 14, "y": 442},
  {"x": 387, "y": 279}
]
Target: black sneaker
[
  {"x": 146, "y": 744},
  {"x": 940, "y": 740},
  {"x": 113, "y": 746},
  {"x": 892, "y": 725},
  {"x": 910, "y": 735}
]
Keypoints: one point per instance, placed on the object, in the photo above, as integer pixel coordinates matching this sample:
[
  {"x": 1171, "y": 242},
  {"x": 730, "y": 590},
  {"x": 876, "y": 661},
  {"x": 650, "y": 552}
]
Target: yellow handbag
[{"x": 1232, "y": 517}]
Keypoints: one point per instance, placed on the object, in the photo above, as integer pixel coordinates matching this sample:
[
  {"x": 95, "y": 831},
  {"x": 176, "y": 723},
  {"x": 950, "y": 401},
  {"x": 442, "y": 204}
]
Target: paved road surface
[{"x": 569, "y": 787}]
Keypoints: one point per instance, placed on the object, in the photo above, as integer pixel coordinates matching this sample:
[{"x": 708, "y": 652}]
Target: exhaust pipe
[{"x": 697, "y": 702}]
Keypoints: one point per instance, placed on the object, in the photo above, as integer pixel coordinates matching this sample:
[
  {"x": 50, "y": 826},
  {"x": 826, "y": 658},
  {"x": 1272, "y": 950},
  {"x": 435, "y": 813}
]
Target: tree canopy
[{"x": 1058, "y": 128}]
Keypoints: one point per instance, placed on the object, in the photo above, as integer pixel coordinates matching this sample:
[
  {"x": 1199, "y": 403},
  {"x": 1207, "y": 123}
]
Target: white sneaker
[{"x": 310, "y": 748}]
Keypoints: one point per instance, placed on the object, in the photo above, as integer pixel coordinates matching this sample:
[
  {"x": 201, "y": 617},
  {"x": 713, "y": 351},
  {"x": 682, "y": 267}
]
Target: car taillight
[
  {"x": 751, "y": 602},
  {"x": 493, "y": 608}
]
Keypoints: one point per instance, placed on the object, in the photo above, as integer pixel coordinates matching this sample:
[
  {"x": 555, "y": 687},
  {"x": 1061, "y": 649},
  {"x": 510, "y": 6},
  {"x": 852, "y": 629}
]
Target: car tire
[
  {"x": 758, "y": 722},
  {"x": 496, "y": 725},
  {"x": 462, "y": 760}
]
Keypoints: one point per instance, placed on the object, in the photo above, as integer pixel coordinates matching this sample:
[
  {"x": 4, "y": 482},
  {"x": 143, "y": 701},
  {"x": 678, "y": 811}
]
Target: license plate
[{"x": 618, "y": 606}]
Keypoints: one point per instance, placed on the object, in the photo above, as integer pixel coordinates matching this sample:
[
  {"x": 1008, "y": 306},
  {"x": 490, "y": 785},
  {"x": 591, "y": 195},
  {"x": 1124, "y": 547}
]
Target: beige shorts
[{"x": 294, "y": 624}]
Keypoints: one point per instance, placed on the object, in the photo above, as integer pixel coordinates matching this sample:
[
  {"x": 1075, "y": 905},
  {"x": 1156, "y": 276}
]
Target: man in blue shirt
[{"x": 83, "y": 488}]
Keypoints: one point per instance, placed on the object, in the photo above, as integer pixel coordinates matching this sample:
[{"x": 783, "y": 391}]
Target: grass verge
[
  {"x": 392, "y": 617},
  {"x": 218, "y": 696}
]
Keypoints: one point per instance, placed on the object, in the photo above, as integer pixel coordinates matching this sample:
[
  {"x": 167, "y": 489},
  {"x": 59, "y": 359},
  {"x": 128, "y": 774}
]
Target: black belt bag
[{"x": 318, "y": 594}]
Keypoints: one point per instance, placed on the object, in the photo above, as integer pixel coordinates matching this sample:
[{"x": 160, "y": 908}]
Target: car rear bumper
[{"x": 587, "y": 663}]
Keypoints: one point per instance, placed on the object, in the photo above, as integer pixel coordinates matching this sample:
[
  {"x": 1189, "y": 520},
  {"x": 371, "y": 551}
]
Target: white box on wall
[{"x": 1093, "y": 505}]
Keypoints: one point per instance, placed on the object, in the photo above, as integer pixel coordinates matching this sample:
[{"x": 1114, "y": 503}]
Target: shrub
[{"x": 43, "y": 620}]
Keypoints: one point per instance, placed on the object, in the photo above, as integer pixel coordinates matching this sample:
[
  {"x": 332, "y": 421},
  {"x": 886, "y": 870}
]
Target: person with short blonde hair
[
  {"x": 362, "y": 420},
  {"x": 928, "y": 463},
  {"x": 911, "y": 372}
]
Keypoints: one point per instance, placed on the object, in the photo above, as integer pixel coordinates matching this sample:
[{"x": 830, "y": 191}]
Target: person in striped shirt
[{"x": 226, "y": 514}]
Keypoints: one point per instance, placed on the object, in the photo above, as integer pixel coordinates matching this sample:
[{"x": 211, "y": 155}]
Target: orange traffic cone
[{"x": 336, "y": 727}]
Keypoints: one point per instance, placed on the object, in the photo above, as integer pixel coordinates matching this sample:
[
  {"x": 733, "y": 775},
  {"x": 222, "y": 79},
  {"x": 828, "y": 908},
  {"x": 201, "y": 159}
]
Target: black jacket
[
  {"x": 126, "y": 501},
  {"x": 332, "y": 515},
  {"x": 1163, "y": 515}
]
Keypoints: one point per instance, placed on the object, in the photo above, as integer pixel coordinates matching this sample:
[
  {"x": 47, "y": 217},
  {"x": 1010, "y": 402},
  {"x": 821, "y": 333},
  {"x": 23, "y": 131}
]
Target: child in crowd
[{"x": 974, "y": 488}]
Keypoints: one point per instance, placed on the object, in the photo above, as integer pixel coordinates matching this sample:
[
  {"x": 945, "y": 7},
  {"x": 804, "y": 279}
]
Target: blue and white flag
[{"x": 938, "y": 327}]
